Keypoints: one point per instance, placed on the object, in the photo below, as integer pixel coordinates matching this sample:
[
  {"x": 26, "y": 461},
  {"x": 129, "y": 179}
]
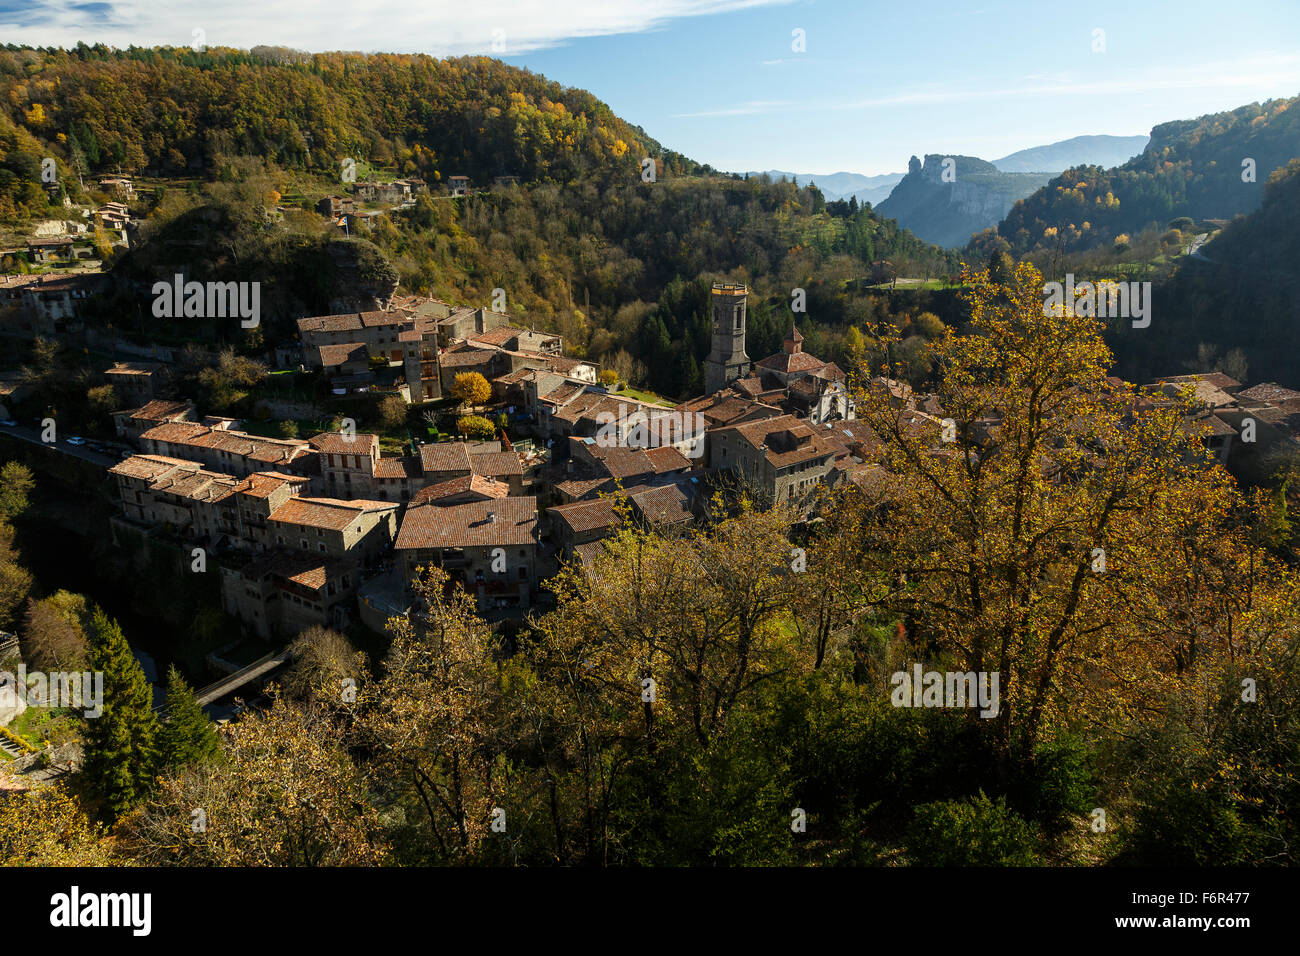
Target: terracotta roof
[
  {"x": 404, "y": 467},
  {"x": 332, "y": 355},
  {"x": 469, "y": 525},
  {"x": 161, "y": 410},
  {"x": 495, "y": 463},
  {"x": 1269, "y": 392},
  {"x": 303, "y": 568},
  {"x": 263, "y": 484},
  {"x": 328, "y": 513},
  {"x": 459, "y": 486},
  {"x": 666, "y": 504},
  {"x": 336, "y": 443},
  {"x": 498, "y": 336},
  {"x": 667, "y": 458},
  {"x": 147, "y": 467},
  {"x": 785, "y": 441},
  {"x": 583, "y": 516},
  {"x": 466, "y": 358},
  {"x": 445, "y": 456},
  {"x": 791, "y": 362},
  {"x": 582, "y": 487},
  {"x": 589, "y": 552}
]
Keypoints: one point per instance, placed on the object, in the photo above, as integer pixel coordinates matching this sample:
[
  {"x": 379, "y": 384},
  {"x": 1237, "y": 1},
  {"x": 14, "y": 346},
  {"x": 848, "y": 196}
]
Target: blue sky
[{"x": 719, "y": 81}]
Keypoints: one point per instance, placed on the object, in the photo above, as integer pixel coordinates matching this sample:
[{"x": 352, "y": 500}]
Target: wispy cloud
[
  {"x": 398, "y": 26},
  {"x": 1270, "y": 70}
]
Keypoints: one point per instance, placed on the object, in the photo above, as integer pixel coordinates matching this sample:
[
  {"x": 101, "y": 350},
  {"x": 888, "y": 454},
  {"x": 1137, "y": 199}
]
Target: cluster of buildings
[
  {"x": 421, "y": 345},
  {"x": 305, "y": 529},
  {"x": 298, "y": 526}
]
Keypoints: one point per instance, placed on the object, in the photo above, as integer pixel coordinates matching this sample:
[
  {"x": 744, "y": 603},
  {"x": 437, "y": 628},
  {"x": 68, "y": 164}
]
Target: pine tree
[
  {"x": 187, "y": 737},
  {"x": 120, "y": 753}
]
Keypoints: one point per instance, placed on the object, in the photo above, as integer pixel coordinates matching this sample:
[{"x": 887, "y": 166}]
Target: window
[
  {"x": 303, "y": 542},
  {"x": 322, "y": 547},
  {"x": 523, "y": 574}
]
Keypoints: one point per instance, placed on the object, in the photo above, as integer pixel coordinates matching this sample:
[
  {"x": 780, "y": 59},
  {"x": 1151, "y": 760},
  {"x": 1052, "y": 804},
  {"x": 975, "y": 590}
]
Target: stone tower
[{"x": 727, "y": 360}]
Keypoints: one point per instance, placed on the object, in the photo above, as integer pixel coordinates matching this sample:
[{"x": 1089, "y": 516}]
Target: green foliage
[
  {"x": 1190, "y": 169},
  {"x": 475, "y": 426},
  {"x": 972, "y": 832},
  {"x": 120, "y": 744},
  {"x": 16, "y": 482},
  {"x": 187, "y": 737}
]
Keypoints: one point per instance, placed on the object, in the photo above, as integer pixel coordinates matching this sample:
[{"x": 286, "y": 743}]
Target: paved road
[{"x": 83, "y": 452}]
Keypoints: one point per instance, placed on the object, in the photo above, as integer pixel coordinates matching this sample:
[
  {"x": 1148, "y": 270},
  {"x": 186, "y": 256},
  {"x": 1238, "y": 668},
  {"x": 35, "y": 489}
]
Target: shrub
[
  {"x": 972, "y": 832},
  {"x": 475, "y": 426}
]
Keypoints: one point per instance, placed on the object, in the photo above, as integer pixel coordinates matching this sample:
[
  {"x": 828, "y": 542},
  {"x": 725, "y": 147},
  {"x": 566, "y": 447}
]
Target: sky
[{"x": 816, "y": 86}]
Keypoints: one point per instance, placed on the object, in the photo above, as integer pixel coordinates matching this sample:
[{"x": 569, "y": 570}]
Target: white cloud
[
  {"x": 1261, "y": 72},
  {"x": 436, "y": 27}
]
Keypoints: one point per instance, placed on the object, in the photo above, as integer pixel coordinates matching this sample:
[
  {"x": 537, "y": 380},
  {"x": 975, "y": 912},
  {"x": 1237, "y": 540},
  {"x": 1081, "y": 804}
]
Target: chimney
[{"x": 491, "y": 517}]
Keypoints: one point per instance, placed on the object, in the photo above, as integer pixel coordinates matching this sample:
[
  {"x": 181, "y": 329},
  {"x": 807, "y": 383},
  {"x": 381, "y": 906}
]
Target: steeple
[{"x": 793, "y": 342}]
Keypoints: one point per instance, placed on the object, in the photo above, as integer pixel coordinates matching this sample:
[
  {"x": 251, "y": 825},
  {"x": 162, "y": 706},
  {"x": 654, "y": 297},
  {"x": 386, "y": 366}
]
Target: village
[{"x": 328, "y": 529}]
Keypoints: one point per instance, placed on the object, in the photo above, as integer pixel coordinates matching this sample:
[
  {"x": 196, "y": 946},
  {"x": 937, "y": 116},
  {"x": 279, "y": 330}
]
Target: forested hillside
[
  {"x": 586, "y": 247},
  {"x": 1236, "y": 294},
  {"x": 1196, "y": 168},
  {"x": 168, "y": 111}
]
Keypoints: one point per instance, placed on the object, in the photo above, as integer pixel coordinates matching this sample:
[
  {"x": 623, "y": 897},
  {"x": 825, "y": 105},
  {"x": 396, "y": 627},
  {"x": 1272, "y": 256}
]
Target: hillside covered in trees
[
  {"x": 1237, "y": 295},
  {"x": 585, "y": 247},
  {"x": 1192, "y": 168}
]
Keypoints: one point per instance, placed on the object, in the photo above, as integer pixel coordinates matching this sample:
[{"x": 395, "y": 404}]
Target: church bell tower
[{"x": 727, "y": 360}]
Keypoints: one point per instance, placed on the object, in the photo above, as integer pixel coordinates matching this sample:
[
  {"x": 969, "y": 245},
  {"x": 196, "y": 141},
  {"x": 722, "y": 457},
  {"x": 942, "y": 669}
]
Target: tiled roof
[
  {"x": 336, "y": 443},
  {"x": 466, "y": 358},
  {"x": 459, "y": 486},
  {"x": 1269, "y": 392},
  {"x": 263, "y": 484},
  {"x": 666, "y": 504},
  {"x": 584, "y": 486},
  {"x": 498, "y": 336},
  {"x": 404, "y": 467},
  {"x": 470, "y": 525},
  {"x": 779, "y": 438},
  {"x": 496, "y": 463},
  {"x": 583, "y": 516},
  {"x": 147, "y": 467},
  {"x": 304, "y": 568},
  {"x": 667, "y": 458},
  {"x": 328, "y": 513},
  {"x": 332, "y": 355},
  {"x": 791, "y": 362},
  {"x": 445, "y": 456},
  {"x": 160, "y": 410}
]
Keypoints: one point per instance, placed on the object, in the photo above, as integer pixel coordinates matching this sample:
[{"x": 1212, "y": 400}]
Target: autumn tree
[
  {"x": 47, "y": 827},
  {"x": 54, "y": 632},
  {"x": 1042, "y": 528},
  {"x": 16, "y": 484},
  {"x": 436, "y": 723},
  {"x": 285, "y": 793},
  {"x": 471, "y": 388},
  {"x": 323, "y": 660}
]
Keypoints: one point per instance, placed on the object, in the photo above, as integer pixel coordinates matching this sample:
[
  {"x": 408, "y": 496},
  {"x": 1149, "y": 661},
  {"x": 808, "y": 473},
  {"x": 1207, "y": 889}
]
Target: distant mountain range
[
  {"x": 1079, "y": 151},
  {"x": 1052, "y": 158},
  {"x": 872, "y": 189}
]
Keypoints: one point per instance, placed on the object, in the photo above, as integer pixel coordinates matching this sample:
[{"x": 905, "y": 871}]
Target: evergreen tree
[
  {"x": 187, "y": 737},
  {"x": 120, "y": 743}
]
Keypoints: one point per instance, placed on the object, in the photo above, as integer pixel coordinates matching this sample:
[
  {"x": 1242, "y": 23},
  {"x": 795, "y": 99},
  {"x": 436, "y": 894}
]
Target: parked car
[
  {"x": 8, "y": 423},
  {"x": 75, "y": 440}
]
